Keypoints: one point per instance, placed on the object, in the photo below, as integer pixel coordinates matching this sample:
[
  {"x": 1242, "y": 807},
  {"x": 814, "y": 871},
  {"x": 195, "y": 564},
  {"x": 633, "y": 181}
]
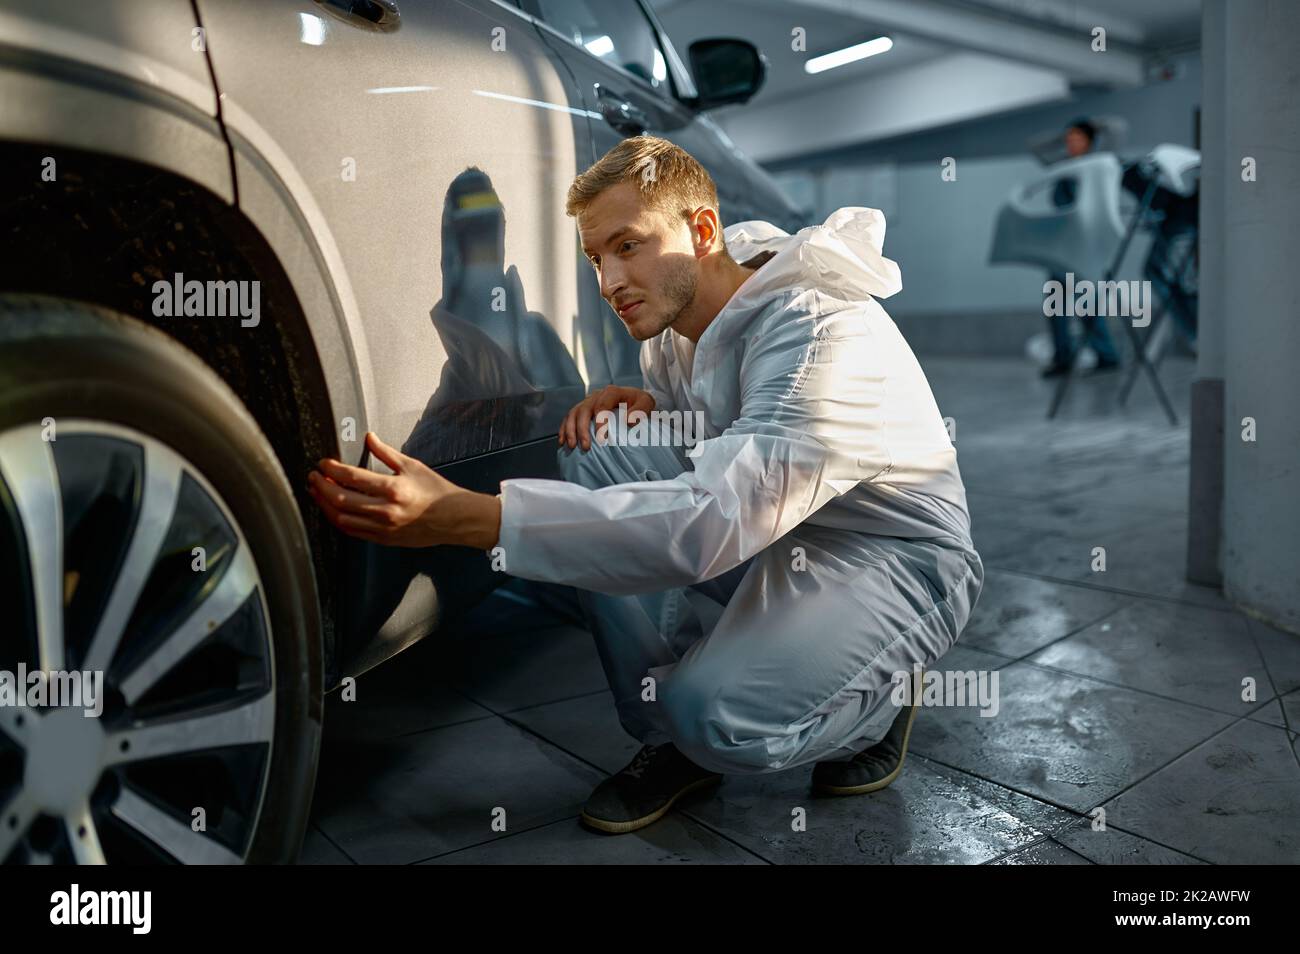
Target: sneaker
[
  {"x": 645, "y": 789},
  {"x": 1054, "y": 370},
  {"x": 871, "y": 769}
]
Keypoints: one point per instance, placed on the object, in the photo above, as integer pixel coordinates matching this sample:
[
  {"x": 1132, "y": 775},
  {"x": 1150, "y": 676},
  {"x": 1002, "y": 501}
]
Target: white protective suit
[{"x": 814, "y": 543}]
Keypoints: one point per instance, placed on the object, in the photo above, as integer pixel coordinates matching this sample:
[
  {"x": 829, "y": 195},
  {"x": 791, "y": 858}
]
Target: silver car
[{"x": 238, "y": 234}]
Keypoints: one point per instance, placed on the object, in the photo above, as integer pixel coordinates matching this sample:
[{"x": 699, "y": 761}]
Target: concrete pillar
[
  {"x": 1205, "y": 490},
  {"x": 1261, "y": 311}
]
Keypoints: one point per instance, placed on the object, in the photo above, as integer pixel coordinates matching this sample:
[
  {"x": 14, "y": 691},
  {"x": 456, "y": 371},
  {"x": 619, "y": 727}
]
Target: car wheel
[{"x": 148, "y": 535}]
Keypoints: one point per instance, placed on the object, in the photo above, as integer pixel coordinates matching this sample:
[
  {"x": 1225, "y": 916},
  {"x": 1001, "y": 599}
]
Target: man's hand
[
  {"x": 415, "y": 507},
  {"x": 577, "y": 422}
]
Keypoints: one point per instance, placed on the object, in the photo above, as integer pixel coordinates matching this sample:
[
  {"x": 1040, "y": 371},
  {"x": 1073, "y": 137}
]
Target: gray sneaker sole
[
  {"x": 622, "y": 827},
  {"x": 879, "y": 783}
]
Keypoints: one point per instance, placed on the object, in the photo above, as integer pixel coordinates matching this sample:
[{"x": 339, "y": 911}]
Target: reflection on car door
[{"x": 430, "y": 162}]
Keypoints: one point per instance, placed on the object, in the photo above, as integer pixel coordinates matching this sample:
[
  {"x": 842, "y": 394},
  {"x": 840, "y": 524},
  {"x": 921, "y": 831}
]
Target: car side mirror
[{"x": 726, "y": 71}]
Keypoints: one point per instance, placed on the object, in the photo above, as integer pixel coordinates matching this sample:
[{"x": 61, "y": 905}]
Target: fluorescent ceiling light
[{"x": 828, "y": 61}]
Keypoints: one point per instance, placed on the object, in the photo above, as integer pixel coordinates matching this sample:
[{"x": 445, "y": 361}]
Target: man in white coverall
[{"x": 752, "y": 596}]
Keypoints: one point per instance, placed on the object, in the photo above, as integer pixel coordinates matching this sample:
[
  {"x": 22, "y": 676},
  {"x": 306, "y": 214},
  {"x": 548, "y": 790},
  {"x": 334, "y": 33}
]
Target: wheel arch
[{"x": 107, "y": 227}]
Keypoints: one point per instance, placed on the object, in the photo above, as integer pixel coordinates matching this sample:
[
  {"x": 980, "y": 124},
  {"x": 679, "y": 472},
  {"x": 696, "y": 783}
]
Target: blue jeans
[{"x": 1095, "y": 336}]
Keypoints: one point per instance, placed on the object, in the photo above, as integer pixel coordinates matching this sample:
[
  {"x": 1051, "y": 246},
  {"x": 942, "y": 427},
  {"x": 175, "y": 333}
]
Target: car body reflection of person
[
  {"x": 507, "y": 372},
  {"x": 480, "y": 288},
  {"x": 507, "y": 379},
  {"x": 768, "y": 597},
  {"x": 1080, "y": 137}
]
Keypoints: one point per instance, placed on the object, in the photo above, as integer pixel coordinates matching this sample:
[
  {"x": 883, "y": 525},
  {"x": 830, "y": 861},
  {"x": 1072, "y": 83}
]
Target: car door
[
  {"x": 425, "y": 147},
  {"x": 429, "y": 155}
]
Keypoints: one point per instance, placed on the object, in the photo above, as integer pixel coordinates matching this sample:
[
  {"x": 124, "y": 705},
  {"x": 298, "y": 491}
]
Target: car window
[{"x": 615, "y": 31}]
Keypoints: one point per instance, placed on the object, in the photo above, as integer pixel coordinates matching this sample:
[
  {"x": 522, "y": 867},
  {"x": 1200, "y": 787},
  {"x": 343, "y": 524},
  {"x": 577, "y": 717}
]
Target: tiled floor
[{"x": 1120, "y": 690}]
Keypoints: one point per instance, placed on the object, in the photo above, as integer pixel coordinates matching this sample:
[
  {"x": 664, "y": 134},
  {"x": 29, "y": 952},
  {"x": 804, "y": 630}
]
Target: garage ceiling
[{"x": 952, "y": 60}]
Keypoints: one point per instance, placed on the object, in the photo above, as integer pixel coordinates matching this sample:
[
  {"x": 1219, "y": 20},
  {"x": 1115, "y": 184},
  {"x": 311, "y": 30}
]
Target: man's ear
[{"x": 706, "y": 231}]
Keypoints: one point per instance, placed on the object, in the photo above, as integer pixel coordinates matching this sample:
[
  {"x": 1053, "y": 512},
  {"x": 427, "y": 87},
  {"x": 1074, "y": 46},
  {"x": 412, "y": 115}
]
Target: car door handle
[
  {"x": 370, "y": 14},
  {"x": 626, "y": 117}
]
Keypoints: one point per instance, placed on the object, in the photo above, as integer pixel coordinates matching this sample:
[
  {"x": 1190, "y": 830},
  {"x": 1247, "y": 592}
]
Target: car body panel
[
  {"x": 118, "y": 78},
  {"x": 411, "y": 183},
  {"x": 372, "y": 134},
  {"x": 449, "y": 256}
]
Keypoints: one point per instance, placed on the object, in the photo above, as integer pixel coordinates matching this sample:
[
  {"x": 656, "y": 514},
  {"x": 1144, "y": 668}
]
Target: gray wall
[
  {"x": 1261, "y": 333},
  {"x": 939, "y": 232},
  {"x": 1205, "y": 484}
]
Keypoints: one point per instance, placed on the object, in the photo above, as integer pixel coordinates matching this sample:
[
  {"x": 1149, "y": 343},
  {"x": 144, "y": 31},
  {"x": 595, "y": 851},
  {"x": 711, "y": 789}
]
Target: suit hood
[{"x": 842, "y": 258}]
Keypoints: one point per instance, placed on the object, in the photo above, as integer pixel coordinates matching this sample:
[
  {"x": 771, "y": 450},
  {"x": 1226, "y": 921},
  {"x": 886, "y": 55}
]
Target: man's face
[
  {"x": 646, "y": 265},
  {"x": 1076, "y": 142}
]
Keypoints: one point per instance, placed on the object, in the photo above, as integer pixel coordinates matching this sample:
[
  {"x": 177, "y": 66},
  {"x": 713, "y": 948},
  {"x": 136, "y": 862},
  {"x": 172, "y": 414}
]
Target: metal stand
[
  {"x": 1140, "y": 353},
  {"x": 1161, "y": 313}
]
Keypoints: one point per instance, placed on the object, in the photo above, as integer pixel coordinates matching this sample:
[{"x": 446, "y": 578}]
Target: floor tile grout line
[
  {"x": 492, "y": 711},
  {"x": 1254, "y": 717},
  {"x": 572, "y": 698},
  {"x": 601, "y": 770},
  {"x": 1055, "y": 835},
  {"x": 723, "y": 835},
  {"x": 1263, "y": 660},
  {"x": 1105, "y": 588},
  {"x": 1048, "y": 835},
  {"x": 1054, "y": 499},
  {"x": 1041, "y": 799},
  {"x": 1004, "y": 659},
  {"x": 411, "y": 733},
  {"x": 1042, "y": 667},
  {"x": 488, "y": 713},
  {"x": 505, "y": 714},
  {"x": 1046, "y": 839},
  {"x": 337, "y": 847},
  {"x": 1136, "y": 782},
  {"x": 446, "y": 725},
  {"x": 1078, "y": 816},
  {"x": 1159, "y": 844},
  {"x": 1074, "y": 632},
  {"x": 1115, "y": 590},
  {"x": 1015, "y": 851},
  {"x": 504, "y": 717},
  {"x": 493, "y": 841},
  {"x": 1141, "y": 837},
  {"x": 1050, "y": 522},
  {"x": 574, "y": 755}
]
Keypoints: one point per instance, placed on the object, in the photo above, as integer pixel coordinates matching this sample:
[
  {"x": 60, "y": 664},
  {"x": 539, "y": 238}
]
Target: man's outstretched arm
[
  {"x": 414, "y": 507},
  {"x": 811, "y": 427}
]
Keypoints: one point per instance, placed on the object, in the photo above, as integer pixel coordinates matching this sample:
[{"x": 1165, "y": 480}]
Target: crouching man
[{"x": 755, "y": 596}]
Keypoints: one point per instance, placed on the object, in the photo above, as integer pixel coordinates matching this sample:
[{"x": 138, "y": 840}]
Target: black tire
[{"x": 72, "y": 361}]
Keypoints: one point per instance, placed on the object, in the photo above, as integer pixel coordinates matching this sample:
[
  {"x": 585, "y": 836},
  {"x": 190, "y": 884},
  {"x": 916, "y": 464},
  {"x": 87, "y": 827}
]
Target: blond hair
[{"x": 668, "y": 177}]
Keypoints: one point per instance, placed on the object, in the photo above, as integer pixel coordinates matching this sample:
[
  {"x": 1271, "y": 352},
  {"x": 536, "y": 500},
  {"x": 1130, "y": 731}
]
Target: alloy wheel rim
[{"x": 124, "y": 561}]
